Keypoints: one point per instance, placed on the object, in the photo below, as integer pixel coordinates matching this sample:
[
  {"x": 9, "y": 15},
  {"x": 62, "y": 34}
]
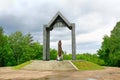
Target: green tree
[
  {"x": 105, "y": 49},
  {"x": 24, "y": 48},
  {"x": 110, "y": 49},
  {"x": 36, "y": 51},
  {"x": 20, "y": 45},
  {"x": 53, "y": 54},
  {"x": 15, "y": 41},
  {"x": 18, "y": 48},
  {"x": 2, "y": 45},
  {"x": 5, "y": 50}
]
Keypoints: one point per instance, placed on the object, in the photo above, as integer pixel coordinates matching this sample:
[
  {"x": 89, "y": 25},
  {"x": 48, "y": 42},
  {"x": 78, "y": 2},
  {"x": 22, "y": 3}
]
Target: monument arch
[{"x": 57, "y": 21}]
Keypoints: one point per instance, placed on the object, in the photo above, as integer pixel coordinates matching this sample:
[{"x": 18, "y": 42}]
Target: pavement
[
  {"x": 50, "y": 65},
  {"x": 109, "y": 73}
]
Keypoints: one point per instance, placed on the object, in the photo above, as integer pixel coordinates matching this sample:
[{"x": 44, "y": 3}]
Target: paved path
[{"x": 50, "y": 65}]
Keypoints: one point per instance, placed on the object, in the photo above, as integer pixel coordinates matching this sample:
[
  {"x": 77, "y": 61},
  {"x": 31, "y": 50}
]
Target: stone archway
[{"x": 57, "y": 21}]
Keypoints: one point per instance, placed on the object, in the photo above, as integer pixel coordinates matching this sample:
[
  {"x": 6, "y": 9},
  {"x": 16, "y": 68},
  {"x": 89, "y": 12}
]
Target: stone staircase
[{"x": 50, "y": 65}]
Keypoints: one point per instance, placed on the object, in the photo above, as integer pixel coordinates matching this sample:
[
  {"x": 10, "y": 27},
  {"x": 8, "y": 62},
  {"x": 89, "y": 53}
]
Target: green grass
[
  {"x": 85, "y": 65},
  {"x": 22, "y": 65}
]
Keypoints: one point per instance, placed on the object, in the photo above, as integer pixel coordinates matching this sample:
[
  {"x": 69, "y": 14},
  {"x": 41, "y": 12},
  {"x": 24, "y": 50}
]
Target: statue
[{"x": 60, "y": 56}]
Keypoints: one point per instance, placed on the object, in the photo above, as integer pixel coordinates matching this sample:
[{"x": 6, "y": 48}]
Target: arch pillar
[
  {"x": 73, "y": 42},
  {"x": 46, "y": 43}
]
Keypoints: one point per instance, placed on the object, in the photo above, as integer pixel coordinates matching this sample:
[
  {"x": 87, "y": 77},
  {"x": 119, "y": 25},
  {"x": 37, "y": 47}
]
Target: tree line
[
  {"x": 17, "y": 48},
  {"x": 110, "y": 49}
]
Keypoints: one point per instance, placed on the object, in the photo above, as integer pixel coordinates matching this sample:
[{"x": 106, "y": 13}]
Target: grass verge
[
  {"x": 85, "y": 65},
  {"x": 22, "y": 65}
]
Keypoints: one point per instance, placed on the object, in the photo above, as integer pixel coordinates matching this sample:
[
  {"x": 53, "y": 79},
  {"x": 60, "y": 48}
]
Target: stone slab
[{"x": 50, "y": 65}]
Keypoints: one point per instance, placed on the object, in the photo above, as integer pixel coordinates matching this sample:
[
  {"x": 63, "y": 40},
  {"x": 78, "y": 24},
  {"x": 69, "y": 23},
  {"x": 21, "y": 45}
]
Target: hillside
[
  {"x": 58, "y": 65},
  {"x": 85, "y": 65}
]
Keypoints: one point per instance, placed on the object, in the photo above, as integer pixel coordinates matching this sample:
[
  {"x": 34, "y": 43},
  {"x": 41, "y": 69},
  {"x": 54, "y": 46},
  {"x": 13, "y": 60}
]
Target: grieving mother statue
[{"x": 60, "y": 56}]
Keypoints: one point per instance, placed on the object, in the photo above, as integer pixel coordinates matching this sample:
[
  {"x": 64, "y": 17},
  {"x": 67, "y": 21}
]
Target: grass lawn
[{"x": 85, "y": 65}]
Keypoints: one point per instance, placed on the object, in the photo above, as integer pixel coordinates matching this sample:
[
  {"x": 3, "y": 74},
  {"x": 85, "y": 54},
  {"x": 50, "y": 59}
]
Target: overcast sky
[{"x": 93, "y": 19}]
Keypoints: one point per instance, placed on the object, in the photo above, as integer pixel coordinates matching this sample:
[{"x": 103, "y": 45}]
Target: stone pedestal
[{"x": 59, "y": 58}]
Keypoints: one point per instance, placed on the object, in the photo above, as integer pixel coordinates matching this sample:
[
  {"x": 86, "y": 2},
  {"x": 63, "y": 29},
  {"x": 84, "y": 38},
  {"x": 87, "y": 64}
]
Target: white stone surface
[{"x": 50, "y": 65}]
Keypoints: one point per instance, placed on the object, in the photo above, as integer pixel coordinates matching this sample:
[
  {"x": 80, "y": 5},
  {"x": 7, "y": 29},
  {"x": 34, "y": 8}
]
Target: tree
[
  {"x": 110, "y": 49},
  {"x": 53, "y": 54},
  {"x": 18, "y": 48},
  {"x": 34, "y": 51},
  {"x": 105, "y": 48},
  {"x": 24, "y": 48},
  {"x": 5, "y": 50},
  {"x": 20, "y": 45},
  {"x": 2, "y": 45}
]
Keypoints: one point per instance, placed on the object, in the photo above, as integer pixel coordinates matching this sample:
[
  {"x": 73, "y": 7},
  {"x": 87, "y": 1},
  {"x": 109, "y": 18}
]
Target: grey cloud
[
  {"x": 30, "y": 16},
  {"x": 11, "y": 23},
  {"x": 90, "y": 47}
]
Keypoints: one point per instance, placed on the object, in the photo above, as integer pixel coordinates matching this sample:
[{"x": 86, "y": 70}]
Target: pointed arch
[{"x": 57, "y": 21}]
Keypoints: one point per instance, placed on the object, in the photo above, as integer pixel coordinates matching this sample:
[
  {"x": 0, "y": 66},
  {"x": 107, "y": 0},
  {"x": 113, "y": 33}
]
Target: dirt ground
[{"x": 109, "y": 73}]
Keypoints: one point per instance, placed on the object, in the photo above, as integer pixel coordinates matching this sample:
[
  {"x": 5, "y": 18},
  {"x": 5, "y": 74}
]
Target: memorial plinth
[{"x": 50, "y": 65}]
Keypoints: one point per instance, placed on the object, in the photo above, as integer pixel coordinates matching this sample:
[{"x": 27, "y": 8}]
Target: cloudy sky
[{"x": 93, "y": 19}]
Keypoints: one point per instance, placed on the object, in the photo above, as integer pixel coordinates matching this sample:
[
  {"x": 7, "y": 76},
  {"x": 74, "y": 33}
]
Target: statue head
[{"x": 59, "y": 41}]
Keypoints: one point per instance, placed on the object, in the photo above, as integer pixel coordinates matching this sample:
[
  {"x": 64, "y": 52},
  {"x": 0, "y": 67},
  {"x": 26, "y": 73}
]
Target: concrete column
[
  {"x": 44, "y": 43},
  {"x": 48, "y": 45},
  {"x": 73, "y": 42}
]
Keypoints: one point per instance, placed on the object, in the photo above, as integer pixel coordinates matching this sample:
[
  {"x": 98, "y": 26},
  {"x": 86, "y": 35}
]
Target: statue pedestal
[{"x": 59, "y": 58}]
